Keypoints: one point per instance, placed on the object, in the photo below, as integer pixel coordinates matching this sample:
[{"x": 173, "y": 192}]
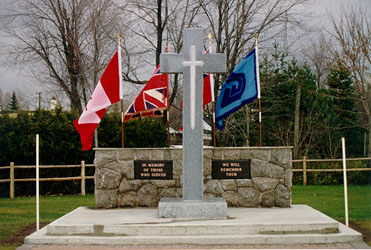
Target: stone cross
[{"x": 193, "y": 63}]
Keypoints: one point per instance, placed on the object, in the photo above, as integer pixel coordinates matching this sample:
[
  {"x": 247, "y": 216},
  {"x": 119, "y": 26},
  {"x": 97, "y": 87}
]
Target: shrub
[{"x": 60, "y": 145}]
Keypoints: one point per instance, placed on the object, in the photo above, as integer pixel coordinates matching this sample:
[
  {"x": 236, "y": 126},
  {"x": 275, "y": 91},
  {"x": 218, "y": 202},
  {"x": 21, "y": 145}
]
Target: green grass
[
  {"x": 330, "y": 201},
  {"x": 20, "y": 212}
]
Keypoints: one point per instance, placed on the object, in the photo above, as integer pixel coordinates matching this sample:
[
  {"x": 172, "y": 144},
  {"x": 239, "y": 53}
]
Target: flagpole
[
  {"x": 168, "y": 104},
  {"x": 121, "y": 94},
  {"x": 258, "y": 81},
  {"x": 122, "y": 124},
  {"x": 212, "y": 94},
  {"x": 168, "y": 128},
  {"x": 214, "y": 137}
]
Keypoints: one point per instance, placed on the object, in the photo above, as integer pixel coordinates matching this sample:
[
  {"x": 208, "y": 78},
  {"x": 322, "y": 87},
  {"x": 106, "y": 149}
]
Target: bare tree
[
  {"x": 4, "y": 100},
  {"x": 145, "y": 22},
  {"x": 65, "y": 42},
  {"x": 151, "y": 23},
  {"x": 352, "y": 47},
  {"x": 233, "y": 24},
  {"x": 318, "y": 55}
]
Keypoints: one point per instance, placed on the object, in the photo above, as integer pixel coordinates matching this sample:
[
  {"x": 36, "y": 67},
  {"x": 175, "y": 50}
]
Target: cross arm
[
  {"x": 171, "y": 63},
  {"x": 214, "y": 63}
]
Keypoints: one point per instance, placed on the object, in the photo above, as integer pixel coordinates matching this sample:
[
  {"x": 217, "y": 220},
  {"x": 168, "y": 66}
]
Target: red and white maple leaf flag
[{"x": 107, "y": 92}]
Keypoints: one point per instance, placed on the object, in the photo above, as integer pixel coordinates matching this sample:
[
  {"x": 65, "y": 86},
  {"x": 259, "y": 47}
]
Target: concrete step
[
  {"x": 241, "y": 221},
  {"x": 178, "y": 229},
  {"x": 345, "y": 235},
  {"x": 244, "y": 226}
]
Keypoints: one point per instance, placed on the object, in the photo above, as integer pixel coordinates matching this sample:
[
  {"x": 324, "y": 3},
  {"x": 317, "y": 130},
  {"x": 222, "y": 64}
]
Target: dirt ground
[
  {"x": 366, "y": 233},
  {"x": 18, "y": 238}
]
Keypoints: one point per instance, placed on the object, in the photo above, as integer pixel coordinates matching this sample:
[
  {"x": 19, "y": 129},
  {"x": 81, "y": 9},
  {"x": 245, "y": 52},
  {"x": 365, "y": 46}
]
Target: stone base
[
  {"x": 212, "y": 208},
  {"x": 269, "y": 186}
]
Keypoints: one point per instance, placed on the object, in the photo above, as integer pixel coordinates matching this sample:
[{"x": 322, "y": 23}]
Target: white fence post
[{"x": 37, "y": 185}]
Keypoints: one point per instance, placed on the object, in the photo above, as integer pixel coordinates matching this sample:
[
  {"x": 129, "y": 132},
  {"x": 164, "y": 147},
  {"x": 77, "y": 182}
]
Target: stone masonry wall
[{"x": 269, "y": 186}]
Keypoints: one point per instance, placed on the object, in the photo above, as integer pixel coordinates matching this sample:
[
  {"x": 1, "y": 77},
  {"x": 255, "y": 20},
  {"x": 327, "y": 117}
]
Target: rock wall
[{"x": 269, "y": 186}]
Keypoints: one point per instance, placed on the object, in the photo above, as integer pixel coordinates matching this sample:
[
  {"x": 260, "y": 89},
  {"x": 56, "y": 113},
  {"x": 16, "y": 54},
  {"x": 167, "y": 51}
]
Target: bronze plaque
[
  {"x": 153, "y": 169},
  {"x": 231, "y": 169}
]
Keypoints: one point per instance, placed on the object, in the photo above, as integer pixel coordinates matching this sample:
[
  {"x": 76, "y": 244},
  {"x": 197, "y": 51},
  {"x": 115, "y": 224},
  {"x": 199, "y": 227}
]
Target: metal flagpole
[
  {"x": 122, "y": 123},
  {"x": 258, "y": 81},
  {"x": 168, "y": 104},
  {"x": 121, "y": 94},
  {"x": 345, "y": 183},
  {"x": 214, "y": 137},
  {"x": 37, "y": 185},
  {"x": 168, "y": 127},
  {"x": 212, "y": 94}
]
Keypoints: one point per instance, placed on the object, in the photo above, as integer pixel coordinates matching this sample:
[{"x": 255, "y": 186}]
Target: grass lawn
[
  {"x": 20, "y": 212},
  {"x": 330, "y": 201}
]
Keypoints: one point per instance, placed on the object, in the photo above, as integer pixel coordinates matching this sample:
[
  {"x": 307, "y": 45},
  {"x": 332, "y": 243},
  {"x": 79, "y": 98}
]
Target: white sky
[{"x": 13, "y": 78}]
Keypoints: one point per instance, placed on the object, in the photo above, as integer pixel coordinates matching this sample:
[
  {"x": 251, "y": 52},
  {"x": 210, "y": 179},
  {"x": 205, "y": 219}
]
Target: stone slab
[{"x": 212, "y": 208}]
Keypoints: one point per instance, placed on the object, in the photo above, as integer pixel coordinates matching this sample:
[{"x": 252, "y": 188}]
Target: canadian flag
[
  {"x": 107, "y": 92},
  {"x": 208, "y": 89}
]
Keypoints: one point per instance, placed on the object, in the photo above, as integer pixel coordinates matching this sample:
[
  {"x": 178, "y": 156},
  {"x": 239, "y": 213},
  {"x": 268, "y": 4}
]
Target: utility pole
[
  {"x": 39, "y": 93},
  {"x": 297, "y": 116}
]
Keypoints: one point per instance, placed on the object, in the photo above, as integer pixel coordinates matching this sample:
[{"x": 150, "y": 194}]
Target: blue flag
[{"x": 241, "y": 87}]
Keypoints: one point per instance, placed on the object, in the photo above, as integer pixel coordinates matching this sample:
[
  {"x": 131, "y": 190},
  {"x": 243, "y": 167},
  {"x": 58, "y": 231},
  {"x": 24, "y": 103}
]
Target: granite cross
[{"x": 193, "y": 63}]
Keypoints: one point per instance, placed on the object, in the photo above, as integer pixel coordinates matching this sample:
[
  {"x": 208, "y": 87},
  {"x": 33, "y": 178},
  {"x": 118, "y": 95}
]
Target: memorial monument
[
  {"x": 245, "y": 177},
  {"x": 193, "y": 63},
  {"x": 192, "y": 181}
]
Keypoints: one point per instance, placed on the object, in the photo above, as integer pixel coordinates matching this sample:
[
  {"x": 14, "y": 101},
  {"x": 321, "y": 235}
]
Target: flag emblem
[
  {"x": 241, "y": 87},
  {"x": 152, "y": 99},
  {"x": 208, "y": 86},
  {"x": 106, "y": 92}
]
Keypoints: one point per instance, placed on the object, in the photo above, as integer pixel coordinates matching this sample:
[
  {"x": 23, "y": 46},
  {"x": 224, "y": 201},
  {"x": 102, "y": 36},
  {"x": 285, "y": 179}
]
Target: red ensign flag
[{"x": 152, "y": 100}]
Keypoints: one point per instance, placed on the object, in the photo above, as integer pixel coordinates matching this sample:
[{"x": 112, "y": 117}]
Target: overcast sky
[{"x": 15, "y": 79}]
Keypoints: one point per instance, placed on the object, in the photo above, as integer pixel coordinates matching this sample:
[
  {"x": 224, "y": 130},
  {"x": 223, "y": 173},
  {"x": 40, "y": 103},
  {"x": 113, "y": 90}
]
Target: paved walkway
[{"x": 353, "y": 245}]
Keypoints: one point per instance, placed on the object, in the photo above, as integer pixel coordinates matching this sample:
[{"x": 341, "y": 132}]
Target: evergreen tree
[
  {"x": 342, "y": 93},
  {"x": 13, "y": 104},
  {"x": 138, "y": 133},
  {"x": 289, "y": 104}
]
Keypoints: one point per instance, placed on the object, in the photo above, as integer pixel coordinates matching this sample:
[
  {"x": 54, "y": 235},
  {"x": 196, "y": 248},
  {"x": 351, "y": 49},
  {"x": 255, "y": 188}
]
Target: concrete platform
[
  {"x": 244, "y": 226},
  {"x": 211, "y": 208}
]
